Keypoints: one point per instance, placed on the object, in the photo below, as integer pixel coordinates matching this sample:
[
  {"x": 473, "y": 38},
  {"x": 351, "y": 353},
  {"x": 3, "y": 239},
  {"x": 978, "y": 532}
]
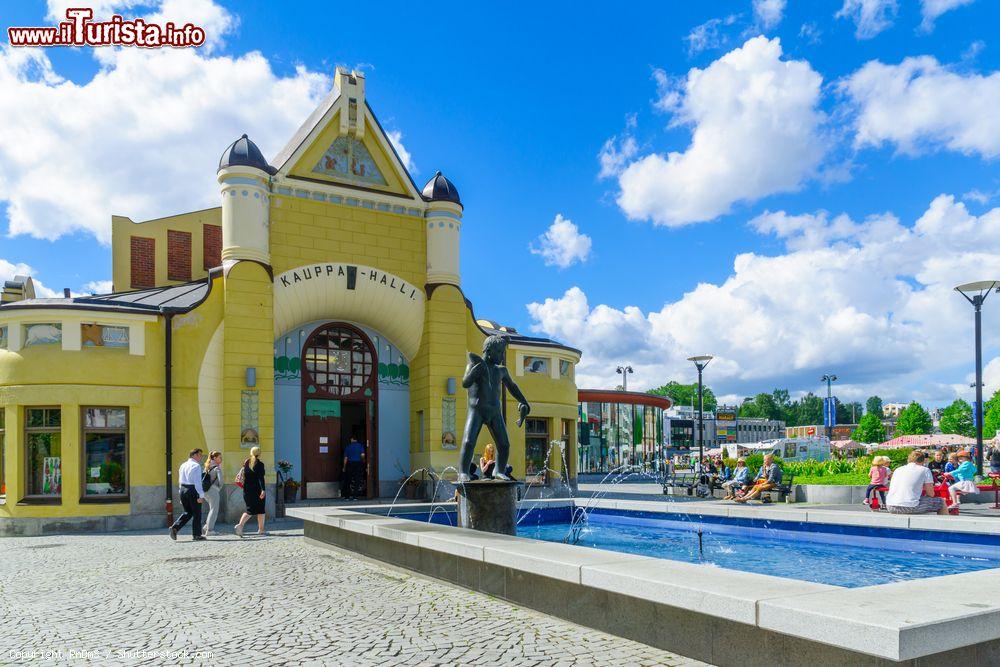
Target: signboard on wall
[
  {"x": 321, "y": 407},
  {"x": 725, "y": 415}
]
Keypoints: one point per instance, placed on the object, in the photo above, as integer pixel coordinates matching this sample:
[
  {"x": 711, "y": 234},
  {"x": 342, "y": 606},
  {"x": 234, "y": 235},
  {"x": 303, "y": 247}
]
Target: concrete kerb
[{"x": 899, "y": 621}]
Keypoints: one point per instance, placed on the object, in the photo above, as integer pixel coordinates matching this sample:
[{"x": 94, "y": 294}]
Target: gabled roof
[
  {"x": 301, "y": 134},
  {"x": 319, "y": 128}
]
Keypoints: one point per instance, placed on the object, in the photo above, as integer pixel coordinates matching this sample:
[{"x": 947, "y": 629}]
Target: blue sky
[{"x": 516, "y": 106}]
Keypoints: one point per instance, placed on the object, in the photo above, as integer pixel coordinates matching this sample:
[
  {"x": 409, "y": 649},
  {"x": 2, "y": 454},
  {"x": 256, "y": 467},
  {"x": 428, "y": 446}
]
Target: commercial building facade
[
  {"x": 620, "y": 428},
  {"x": 722, "y": 426},
  {"x": 839, "y": 432},
  {"x": 320, "y": 301}
]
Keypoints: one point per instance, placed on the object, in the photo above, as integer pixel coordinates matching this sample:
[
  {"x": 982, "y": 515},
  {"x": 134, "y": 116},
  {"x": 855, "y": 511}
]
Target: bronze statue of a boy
[{"x": 485, "y": 378}]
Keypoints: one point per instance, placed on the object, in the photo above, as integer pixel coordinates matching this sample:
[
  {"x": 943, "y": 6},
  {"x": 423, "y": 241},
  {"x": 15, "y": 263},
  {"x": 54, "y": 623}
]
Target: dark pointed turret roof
[
  {"x": 440, "y": 188},
  {"x": 244, "y": 152}
]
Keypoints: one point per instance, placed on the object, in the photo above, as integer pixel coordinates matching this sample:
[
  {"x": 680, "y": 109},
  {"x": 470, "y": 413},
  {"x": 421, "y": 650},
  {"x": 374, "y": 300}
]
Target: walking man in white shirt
[{"x": 192, "y": 495}]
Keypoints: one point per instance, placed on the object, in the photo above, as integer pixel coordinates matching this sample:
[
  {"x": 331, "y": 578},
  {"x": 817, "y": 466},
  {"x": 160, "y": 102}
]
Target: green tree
[
  {"x": 991, "y": 416},
  {"x": 807, "y": 411},
  {"x": 957, "y": 418},
  {"x": 869, "y": 429},
  {"x": 914, "y": 420},
  {"x": 847, "y": 413},
  {"x": 684, "y": 394},
  {"x": 761, "y": 406},
  {"x": 874, "y": 406}
]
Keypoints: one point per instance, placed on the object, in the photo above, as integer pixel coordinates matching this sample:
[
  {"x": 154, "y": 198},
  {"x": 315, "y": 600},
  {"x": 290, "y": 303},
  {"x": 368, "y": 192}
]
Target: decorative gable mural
[{"x": 347, "y": 158}]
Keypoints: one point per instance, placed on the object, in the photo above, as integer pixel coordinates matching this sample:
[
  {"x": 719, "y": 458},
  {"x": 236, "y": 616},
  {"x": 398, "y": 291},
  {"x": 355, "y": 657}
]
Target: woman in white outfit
[{"x": 213, "y": 490}]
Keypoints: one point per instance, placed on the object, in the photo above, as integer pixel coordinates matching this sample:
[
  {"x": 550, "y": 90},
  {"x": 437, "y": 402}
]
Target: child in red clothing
[{"x": 879, "y": 476}]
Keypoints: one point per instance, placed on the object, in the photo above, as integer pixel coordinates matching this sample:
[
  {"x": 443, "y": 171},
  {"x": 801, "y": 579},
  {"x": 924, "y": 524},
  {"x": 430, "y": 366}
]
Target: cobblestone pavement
[{"x": 141, "y": 599}]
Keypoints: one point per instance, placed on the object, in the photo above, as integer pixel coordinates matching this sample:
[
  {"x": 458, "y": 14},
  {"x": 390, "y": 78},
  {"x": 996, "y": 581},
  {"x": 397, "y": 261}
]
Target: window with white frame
[{"x": 536, "y": 365}]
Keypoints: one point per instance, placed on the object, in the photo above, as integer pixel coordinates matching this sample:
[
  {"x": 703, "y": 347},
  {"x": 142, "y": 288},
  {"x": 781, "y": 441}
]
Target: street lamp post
[
  {"x": 829, "y": 380},
  {"x": 976, "y": 293},
  {"x": 700, "y": 362},
  {"x": 624, "y": 371}
]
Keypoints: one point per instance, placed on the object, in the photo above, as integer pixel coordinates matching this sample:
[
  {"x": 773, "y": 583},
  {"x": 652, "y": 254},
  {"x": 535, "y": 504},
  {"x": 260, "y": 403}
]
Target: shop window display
[{"x": 43, "y": 443}]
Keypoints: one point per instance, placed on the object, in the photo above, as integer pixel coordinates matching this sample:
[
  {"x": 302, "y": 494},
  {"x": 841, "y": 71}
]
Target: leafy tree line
[
  {"x": 808, "y": 410},
  {"x": 686, "y": 394},
  {"x": 805, "y": 411}
]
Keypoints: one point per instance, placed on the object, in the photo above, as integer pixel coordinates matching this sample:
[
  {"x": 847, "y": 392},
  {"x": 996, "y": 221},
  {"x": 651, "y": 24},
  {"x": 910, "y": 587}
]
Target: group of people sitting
[
  {"x": 922, "y": 486},
  {"x": 738, "y": 484}
]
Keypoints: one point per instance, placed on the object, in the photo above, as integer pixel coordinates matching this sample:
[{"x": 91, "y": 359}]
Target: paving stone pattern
[{"x": 140, "y": 599}]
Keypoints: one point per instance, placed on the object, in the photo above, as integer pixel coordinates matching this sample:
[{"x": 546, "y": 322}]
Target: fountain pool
[{"x": 839, "y": 555}]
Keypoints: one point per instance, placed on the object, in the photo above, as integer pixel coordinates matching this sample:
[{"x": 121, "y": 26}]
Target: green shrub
[
  {"x": 847, "y": 478},
  {"x": 897, "y": 456}
]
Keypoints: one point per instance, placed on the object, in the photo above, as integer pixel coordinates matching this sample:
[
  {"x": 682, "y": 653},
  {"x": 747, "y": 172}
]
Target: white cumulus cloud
[
  {"x": 871, "y": 299},
  {"x": 145, "y": 131},
  {"x": 10, "y": 269},
  {"x": 562, "y": 244},
  {"x": 768, "y": 13},
  {"x": 756, "y": 130},
  {"x": 396, "y": 137},
  {"x": 709, "y": 35},
  {"x": 98, "y": 287},
  {"x": 920, "y": 105},
  {"x": 932, "y": 9},
  {"x": 870, "y": 16}
]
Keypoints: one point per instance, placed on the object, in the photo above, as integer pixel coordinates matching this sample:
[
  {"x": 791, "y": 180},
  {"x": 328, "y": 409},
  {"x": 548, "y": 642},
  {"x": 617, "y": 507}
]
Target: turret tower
[{"x": 243, "y": 179}]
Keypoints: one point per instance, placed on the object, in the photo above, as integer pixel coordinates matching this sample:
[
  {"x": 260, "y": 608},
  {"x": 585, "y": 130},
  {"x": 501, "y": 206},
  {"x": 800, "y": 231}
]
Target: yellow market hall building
[{"x": 321, "y": 300}]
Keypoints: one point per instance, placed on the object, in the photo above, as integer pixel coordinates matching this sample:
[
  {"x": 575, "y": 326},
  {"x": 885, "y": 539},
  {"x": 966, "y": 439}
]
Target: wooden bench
[{"x": 782, "y": 491}]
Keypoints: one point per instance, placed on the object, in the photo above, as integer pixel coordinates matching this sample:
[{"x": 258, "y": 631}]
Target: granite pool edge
[{"x": 771, "y": 613}]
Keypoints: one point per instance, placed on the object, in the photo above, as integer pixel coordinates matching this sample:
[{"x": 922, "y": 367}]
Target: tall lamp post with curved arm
[
  {"x": 976, "y": 293},
  {"x": 624, "y": 372},
  {"x": 700, "y": 362}
]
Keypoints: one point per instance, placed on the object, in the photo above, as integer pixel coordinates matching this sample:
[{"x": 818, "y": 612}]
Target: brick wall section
[
  {"x": 212, "y": 246},
  {"x": 143, "y": 260},
  {"x": 178, "y": 255}
]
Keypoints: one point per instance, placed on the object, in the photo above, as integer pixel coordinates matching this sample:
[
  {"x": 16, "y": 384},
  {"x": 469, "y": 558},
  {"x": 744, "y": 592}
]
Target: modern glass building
[{"x": 620, "y": 428}]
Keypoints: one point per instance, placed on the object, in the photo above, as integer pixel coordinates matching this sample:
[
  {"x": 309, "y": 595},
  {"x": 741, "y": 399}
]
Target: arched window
[{"x": 339, "y": 361}]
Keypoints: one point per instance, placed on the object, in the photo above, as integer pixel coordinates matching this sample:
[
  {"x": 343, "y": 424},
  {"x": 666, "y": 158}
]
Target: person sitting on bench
[
  {"x": 768, "y": 478},
  {"x": 739, "y": 480}
]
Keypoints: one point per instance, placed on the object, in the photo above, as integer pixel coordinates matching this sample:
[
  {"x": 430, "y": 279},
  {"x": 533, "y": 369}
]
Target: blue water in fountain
[
  {"x": 837, "y": 559},
  {"x": 849, "y": 556}
]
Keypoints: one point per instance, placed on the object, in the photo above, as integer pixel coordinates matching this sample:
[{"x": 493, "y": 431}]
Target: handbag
[{"x": 240, "y": 477}]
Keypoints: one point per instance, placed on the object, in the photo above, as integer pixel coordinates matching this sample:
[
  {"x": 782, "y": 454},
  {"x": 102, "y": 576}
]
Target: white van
[{"x": 787, "y": 449}]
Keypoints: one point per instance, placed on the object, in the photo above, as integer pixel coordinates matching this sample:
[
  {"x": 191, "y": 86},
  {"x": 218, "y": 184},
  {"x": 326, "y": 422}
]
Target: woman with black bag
[{"x": 253, "y": 491}]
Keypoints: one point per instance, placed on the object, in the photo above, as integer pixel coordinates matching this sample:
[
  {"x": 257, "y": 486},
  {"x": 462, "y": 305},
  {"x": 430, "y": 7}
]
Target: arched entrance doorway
[{"x": 339, "y": 400}]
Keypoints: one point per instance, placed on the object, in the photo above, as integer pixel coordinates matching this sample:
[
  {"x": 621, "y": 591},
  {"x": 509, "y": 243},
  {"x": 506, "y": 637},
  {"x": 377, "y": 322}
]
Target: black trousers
[
  {"x": 192, "y": 510},
  {"x": 354, "y": 479}
]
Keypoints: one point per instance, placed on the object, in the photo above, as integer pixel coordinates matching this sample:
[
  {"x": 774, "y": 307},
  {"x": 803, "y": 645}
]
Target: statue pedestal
[{"x": 488, "y": 505}]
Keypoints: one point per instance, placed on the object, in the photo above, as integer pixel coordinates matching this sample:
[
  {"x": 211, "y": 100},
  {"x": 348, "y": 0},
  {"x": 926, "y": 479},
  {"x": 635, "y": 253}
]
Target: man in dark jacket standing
[{"x": 354, "y": 469}]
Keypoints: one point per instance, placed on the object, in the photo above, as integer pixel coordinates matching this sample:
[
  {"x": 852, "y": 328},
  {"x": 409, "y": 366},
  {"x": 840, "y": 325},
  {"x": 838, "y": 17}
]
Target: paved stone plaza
[{"x": 138, "y": 598}]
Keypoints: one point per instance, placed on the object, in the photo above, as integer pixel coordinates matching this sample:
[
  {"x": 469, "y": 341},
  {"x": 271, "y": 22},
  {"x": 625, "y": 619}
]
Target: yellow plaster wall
[
  {"x": 46, "y": 375},
  {"x": 248, "y": 342},
  {"x": 450, "y": 332},
  {"x": 305, "y": 231},
  {"x": 442, "y": 355},
  {"x": 123, "y": 228}
]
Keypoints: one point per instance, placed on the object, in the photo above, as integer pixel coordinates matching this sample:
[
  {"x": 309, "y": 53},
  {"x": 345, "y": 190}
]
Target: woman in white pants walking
[{"x": 213, "y": 490}]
